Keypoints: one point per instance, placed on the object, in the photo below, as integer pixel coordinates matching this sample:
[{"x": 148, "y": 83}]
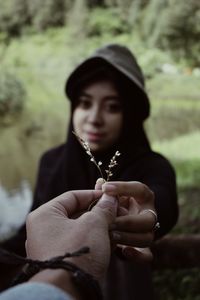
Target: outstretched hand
[{"x": 51, "y": 231}]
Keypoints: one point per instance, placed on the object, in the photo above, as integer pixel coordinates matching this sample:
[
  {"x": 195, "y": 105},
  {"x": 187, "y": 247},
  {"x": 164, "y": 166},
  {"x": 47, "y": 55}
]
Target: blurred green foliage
[
  {"x": 177, "y": 29},
  {"x": 48, "y": 13},
  {"x": 77, "y": 17},
  {"x": 14, "y": 16},
  {"x": 109, "y": 21},
  {"x": 12, "y": 95},
  {"x": 182, "y": 284}
]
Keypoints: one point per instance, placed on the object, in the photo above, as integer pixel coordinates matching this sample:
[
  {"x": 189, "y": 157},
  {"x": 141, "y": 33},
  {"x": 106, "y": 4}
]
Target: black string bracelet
[{"x": 87, "y": 286}]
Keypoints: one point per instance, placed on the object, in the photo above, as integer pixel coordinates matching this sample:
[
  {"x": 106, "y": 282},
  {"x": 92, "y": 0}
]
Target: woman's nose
[{"x": 95, "y": 116}]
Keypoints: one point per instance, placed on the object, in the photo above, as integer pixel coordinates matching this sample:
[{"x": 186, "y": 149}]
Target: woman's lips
[{"x": 94, "y": 137}]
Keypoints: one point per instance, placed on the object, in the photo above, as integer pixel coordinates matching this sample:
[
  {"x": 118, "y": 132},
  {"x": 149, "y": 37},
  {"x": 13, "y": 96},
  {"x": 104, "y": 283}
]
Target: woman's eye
[
  {"x": 113, "y": 107},
  {"x": 84, "y": 103}
]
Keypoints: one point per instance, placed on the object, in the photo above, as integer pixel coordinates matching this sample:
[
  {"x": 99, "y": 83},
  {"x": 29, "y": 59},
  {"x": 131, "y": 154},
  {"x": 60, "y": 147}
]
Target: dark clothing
[
  {"x": 128, "y": 281},
  {"x": 68, "y": 167}
]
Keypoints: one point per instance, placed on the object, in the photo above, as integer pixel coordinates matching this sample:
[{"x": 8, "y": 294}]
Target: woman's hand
[{"x": 134, "y": 226}]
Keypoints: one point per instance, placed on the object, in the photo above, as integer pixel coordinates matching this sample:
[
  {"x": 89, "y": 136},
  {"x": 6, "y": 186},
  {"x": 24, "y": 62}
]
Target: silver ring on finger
[{"x": 157, "y": 224}]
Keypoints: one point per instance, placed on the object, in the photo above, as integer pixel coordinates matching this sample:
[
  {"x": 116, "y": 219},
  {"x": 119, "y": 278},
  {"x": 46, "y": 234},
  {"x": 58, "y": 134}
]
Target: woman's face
[{"x": 98, "y": 116}]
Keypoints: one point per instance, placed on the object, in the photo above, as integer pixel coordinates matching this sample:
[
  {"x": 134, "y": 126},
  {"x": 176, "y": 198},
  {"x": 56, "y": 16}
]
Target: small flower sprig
[{"x": 112, "y": 163}]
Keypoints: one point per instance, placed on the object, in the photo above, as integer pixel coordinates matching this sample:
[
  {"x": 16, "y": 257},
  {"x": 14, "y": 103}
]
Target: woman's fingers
[
  {"x": 137, "y": 223},
  {"x": 134, "y": 189},
  {"x": 138, "y": 255},
  {"x": 132, "y": 239},
  {"x": 121, "y": 211}
]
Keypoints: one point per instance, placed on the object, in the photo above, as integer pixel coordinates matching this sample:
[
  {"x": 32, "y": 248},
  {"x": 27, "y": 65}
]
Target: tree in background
[
  {"x": 180, "y": 30},
  {"x": 172, "y": 25},
  {"x": 176, "y": 29},
  {"x": 48, "y": 13},
  {"x": 12, "y": 96},
  {"x": 94, "y": 3},
  {"x": 14, "y": 16},
  {"x": 77, "y": 17}
]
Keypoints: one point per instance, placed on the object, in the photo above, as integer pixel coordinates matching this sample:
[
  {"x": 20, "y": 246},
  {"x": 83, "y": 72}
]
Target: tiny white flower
[{"x": 112, "y": 163}]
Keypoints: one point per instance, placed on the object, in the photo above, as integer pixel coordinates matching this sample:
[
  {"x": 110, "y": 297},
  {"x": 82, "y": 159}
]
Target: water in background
[
  {"x": 14, "y": 206},
  {"x": 19, "y": 156}
]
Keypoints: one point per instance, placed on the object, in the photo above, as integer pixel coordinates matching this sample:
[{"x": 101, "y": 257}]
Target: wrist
[
  {"x": 67, "y": 275},
  {"x": 59, "y": 278},
  {"x": 79, "y": 283}
]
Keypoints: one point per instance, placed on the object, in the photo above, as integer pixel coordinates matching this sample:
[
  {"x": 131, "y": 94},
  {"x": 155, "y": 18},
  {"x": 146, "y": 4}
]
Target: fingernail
[
  {"x": 100, "y": 180},
  {"x": 99, "y": 183}
]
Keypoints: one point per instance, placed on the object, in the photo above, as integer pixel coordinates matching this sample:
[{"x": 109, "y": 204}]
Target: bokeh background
[{"x": 41, "y": 42}]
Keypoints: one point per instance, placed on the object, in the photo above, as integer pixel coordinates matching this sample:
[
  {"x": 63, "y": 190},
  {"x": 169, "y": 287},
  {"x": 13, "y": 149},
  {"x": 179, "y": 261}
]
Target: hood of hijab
[{"x": 123, "y": 60}]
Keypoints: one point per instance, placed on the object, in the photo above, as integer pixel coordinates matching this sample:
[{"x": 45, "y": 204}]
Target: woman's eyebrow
[
  {"x": 109, "y": 97},
  {"x": 84, "y": 94},
  {"x": 113, "y": 97}
]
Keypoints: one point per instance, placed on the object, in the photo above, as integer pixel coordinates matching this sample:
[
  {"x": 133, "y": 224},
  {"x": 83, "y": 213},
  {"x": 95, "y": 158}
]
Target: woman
[{"x": 109, "y": 105}]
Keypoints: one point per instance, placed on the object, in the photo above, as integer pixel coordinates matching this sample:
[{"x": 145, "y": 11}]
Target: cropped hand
[{"x": 52, "y": 232}]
